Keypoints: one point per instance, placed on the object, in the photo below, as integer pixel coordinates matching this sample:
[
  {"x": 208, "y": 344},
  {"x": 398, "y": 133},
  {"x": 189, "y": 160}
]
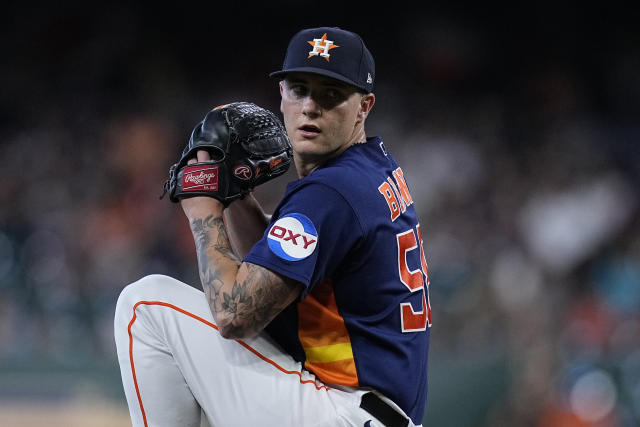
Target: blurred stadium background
[{"x": 518, "y": 129}]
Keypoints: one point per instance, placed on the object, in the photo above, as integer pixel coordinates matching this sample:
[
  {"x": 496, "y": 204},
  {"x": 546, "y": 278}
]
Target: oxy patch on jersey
[{"x": 293, "y": 237}]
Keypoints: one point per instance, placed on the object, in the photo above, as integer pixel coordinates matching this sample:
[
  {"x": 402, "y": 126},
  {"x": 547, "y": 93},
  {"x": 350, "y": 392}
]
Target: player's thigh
[{"x": 236, "y": 382}]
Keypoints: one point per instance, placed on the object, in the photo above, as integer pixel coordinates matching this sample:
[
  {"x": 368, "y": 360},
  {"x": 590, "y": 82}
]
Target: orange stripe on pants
[{"x": 200, "y": 319}]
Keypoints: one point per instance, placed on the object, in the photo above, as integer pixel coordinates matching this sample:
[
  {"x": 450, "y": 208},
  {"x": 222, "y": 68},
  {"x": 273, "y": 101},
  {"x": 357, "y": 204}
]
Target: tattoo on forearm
[
  {"x": 209, "y": 275},
  {"x": 252, "y": 302},
  {"x": 255, "y": 306},
  {"x": 202, "y": 232}
]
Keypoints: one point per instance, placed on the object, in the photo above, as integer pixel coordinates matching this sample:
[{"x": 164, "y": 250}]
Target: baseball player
[{"x": 318, "y": 315}]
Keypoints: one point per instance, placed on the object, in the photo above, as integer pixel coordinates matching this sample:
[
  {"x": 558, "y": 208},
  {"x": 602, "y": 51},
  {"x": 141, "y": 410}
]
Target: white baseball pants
[{"x": 176, "y": 368}]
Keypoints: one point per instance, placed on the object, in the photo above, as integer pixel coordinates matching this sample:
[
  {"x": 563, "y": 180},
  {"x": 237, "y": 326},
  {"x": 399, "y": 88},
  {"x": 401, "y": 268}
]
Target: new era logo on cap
[{"x": 335, "y": 53}]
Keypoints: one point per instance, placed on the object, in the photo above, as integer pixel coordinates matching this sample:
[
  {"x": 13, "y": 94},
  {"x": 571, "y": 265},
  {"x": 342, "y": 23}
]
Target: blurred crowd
[{"x": 519, "y": 141}]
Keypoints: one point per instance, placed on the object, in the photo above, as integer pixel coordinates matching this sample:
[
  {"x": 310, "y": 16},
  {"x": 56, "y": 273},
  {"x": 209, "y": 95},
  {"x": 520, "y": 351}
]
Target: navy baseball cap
[{"x": 331, "y": 52}]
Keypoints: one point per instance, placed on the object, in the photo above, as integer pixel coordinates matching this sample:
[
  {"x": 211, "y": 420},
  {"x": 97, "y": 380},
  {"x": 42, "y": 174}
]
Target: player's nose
[{"x": 310, "y": 107}]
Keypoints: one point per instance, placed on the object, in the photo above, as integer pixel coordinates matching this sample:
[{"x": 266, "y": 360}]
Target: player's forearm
[
  {"x": 217, "y": 264},
  {"x": 239, "y": 307},
  {"x": 243, "y": 297},
  {"x": 245, "y": 221}
]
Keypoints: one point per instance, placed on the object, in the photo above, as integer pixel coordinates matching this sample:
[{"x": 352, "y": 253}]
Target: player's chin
[
  {"x": 310, "y": 151},
  {"x": 307, "y": 146}
]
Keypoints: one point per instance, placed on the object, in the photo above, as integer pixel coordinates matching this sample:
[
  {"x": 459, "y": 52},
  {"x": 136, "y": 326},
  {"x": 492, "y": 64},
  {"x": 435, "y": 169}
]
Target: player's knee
[{"x": 143, "y": 289}]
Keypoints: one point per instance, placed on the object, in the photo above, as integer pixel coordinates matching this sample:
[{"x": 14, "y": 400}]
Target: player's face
[{"x": 323, "y": 116}]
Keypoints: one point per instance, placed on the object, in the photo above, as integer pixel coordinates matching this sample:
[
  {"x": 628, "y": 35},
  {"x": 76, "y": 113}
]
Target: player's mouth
[{"x": 309, "y": 131}]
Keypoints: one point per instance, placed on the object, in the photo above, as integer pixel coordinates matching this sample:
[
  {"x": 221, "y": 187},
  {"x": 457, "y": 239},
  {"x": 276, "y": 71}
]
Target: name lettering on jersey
[
  {"x": 403, "y": 204},
  {"x": 293, "y": 237},
  {"x": 396, "y": 193},
  {"x": 398, "y": 175}
]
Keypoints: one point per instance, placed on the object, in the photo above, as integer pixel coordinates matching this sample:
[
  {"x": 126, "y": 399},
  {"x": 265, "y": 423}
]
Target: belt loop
[{"x": 382, "y": 411}]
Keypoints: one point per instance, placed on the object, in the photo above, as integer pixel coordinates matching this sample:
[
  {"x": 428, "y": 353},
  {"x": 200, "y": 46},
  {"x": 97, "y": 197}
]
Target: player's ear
[
  {"x": 281, "y": 85},
  {"x": 366, "y": 104}
]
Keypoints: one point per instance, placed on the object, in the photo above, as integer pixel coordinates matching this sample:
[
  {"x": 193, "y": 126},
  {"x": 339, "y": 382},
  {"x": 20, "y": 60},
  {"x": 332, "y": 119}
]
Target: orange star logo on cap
[{"x": 321, "y": 47}]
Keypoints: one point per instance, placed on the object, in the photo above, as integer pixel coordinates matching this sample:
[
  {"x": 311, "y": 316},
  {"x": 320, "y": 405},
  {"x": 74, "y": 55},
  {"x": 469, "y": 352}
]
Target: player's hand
[
  {"x": 201, "y": 207},
  {"x": 242, "y": 146}
]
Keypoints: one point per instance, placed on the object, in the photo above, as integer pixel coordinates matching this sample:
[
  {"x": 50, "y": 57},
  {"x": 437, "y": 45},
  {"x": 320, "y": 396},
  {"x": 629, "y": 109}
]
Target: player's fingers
[
  {"x": 201, "y": 156},
  {"x": 204, "y": 156}
]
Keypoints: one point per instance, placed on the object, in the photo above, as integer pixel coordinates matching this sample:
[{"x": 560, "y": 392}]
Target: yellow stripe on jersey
[{"x": 329, "y": 353}]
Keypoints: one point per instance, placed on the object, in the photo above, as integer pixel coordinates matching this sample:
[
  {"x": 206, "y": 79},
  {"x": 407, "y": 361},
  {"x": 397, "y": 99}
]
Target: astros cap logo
[
  {"x": 321, "y": 47},
  {"x": 293, "y": 237}
]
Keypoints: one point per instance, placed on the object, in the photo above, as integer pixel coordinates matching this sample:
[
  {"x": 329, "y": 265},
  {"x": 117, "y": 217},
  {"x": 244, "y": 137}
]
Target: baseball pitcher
[{"x": 318, "y": 315}]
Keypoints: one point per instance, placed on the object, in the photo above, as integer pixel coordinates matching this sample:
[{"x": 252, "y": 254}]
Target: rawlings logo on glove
[
  {"x": 242, "y": 172},
  {"x": 200, "y": 178},
  {"x": 248, "y": 145}
]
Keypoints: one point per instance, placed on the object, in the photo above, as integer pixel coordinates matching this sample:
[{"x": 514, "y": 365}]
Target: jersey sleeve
[{"x": 309, "y": 235}]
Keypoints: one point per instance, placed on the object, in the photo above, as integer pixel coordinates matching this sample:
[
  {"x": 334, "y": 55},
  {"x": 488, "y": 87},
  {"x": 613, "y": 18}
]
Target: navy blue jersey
[{"x": 349, "y": 232}]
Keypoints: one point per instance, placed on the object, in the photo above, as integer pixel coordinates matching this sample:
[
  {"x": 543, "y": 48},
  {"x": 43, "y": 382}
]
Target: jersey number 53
[{"x": 415, "y": 281}]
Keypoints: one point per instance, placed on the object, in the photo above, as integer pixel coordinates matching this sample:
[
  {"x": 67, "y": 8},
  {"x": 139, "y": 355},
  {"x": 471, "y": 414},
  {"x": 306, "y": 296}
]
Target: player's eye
[
  {"x": 332, "y": 93},
  {"x": 333, "y": 96},
  {"x": 298, "y": 90}
]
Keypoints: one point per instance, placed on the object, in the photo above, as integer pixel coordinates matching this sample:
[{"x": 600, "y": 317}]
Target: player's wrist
[{"x": 201, "y": 206}]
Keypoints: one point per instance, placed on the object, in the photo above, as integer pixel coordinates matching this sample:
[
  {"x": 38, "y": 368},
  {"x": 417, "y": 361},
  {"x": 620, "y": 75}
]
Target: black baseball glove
[{"x": 248, "y": 146}]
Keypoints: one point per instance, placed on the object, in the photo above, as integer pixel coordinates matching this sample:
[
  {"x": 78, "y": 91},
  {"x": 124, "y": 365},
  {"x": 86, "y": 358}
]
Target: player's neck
[
  {"x": 359, "y": 136},
  {"x": 305, "y": 164}
]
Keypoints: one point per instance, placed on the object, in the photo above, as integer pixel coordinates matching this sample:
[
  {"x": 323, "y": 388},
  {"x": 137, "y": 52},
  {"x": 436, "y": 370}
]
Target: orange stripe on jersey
[
  {"x": 325, "y": 338},
  {"x": 342, "y": 372}
]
